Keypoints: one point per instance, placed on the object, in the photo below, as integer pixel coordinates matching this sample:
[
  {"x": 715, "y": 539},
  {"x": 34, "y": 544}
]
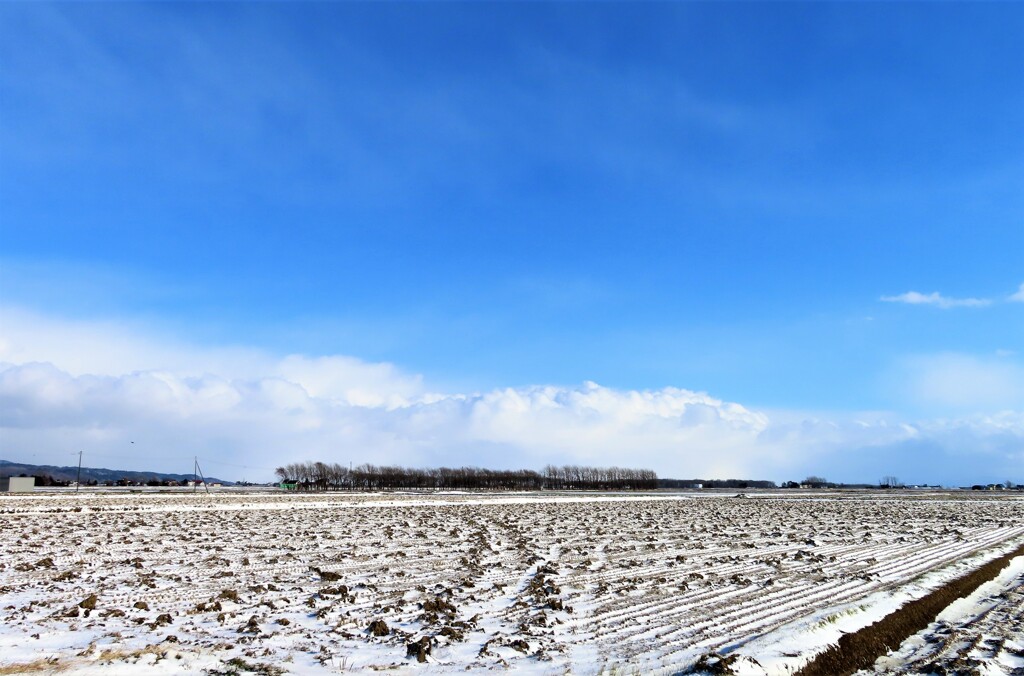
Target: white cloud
[
  {"x": 350, "y": 380},
  {"x": 1017, "y": 297},
  {"x": 961, "y": 382},
  {"x": 115, "y": 347},
  {"x": 936, "y": 299},
  {"x": 272, "y": 419},
  {"x": 100, "y": 387}
]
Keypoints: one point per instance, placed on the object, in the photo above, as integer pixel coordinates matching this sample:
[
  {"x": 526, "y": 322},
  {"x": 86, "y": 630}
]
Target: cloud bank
[{"x": 244, "y": 411}]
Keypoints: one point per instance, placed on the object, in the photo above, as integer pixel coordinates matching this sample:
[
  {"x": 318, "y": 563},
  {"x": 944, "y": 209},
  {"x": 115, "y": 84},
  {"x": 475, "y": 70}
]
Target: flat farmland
[{"x": 276, "y": 583}]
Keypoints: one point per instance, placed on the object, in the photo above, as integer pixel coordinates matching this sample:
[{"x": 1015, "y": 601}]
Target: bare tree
[{"x": 320, "y": 476}]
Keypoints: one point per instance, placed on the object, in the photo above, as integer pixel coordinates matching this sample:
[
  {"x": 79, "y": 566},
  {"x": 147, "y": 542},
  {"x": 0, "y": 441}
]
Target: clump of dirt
[
  {"x": 141, "y": 605},
  {"x": 379, "y": 628},
  {"x": 714, "y": 664},
  {"x": 209, "y": 607},
  {"x": 326, "y": 575},
  {"x": 419, "y": 649},
  {"x": 229, "y": 595},
  {"x": 438, "y": 605},
  {"x": 453, "y": 634},
  {"x": 250, "y": 627},
  {"x": 961, "y": 666},
  {"x": 89, "y": 603},
  {"x": 340, "y": 590}
]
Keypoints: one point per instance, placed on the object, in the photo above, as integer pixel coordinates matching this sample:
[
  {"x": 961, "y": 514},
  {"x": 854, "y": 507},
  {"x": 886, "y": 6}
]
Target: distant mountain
[{"x": 89, "y": 474}]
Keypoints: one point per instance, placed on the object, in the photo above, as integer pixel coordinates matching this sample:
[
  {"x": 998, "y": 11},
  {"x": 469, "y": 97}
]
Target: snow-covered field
[
  {"x": 271, "y": 583},
  {"x": 983, "y": 633}
]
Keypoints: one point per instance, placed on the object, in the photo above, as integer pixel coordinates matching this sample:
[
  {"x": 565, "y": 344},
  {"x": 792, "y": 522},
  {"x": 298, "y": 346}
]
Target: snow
[
  {"x": 982, "y": 633},
  {"x": 270, "y": 582}
]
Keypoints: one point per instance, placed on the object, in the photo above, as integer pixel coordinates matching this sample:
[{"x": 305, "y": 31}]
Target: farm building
[{"x": 17, "y": 484}]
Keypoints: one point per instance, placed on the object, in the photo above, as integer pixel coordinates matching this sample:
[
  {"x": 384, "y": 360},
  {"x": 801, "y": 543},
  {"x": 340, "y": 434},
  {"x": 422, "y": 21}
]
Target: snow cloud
[{"x": 84, "y": 386}]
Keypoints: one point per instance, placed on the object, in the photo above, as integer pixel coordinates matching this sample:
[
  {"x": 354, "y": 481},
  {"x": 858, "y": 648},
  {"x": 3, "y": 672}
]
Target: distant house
[
  {"x": 216, "y": 485},
  {"x": 289, "y": 485},
  {"x": 17, "y": 484}
]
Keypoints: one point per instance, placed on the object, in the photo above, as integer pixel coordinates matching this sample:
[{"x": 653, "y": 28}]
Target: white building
[{"x": 17, "y": 484}]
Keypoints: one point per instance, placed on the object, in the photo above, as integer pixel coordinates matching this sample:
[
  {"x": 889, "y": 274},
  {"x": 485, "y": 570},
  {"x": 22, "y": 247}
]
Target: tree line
[
  {"x": 716, "y": 483},
  {"x": 322, "y": 476}
]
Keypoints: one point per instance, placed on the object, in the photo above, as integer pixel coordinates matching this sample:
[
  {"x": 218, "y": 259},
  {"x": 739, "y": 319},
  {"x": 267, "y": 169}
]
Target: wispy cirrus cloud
[
  {"x": 1017, "y": 297},
  {"x": 935, "y": 299}
]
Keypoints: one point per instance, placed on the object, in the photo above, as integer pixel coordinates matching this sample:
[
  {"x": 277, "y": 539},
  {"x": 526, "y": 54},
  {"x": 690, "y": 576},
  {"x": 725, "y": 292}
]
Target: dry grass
[
  {"x": 116, "y": 655},
  {"x": 52, "y": 665},
  {"x": 43, "y": 665}
]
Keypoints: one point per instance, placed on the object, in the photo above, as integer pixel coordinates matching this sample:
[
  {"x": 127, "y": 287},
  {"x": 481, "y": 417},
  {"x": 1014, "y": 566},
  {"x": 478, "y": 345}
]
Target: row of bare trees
[
  {"x": 316, "y": 476},
  {"x": 577, "y": 477},
  {"x": 321, "y": 476}
]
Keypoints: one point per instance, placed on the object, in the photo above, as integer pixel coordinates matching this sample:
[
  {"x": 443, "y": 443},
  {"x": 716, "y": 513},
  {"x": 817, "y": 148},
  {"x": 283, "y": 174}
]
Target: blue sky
[{"x": 711, "y": 197}]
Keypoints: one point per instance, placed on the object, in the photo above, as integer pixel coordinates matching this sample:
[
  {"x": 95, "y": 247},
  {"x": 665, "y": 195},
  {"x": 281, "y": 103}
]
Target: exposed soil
[
  {"x": 860, "y": 649},
  {"x": 543, "y": 583}
]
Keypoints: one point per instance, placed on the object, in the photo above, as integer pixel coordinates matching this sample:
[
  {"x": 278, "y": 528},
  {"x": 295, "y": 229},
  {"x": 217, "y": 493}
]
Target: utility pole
[
  {"x": 200, "y": 471},
  {"x": 78, "y": 479},
  {"x": 195, "y": 473}
]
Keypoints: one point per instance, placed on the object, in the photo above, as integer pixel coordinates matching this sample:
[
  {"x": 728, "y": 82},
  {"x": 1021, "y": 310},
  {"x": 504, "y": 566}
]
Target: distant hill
[{"x": 89, "y": 474}]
